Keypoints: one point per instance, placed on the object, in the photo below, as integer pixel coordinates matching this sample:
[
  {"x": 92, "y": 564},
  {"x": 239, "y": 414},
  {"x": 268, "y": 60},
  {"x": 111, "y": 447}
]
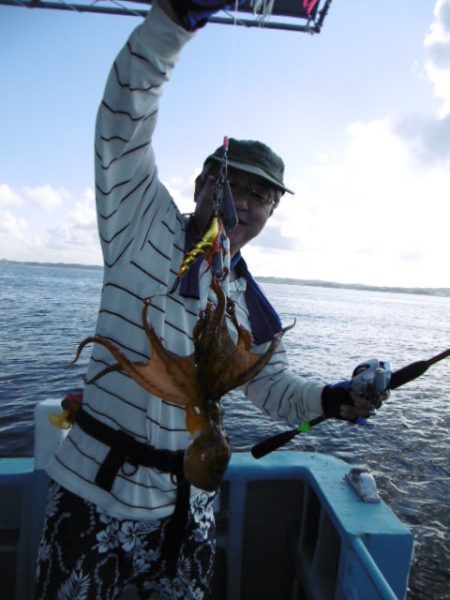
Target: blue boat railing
[
  {"x": 288, "y": 527},
  {"x": 370, "y": 567},
  {"x": 298, "y": 509}
]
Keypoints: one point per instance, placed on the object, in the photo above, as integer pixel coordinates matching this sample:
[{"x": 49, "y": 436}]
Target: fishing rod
[{"x": 391, "y": 381}]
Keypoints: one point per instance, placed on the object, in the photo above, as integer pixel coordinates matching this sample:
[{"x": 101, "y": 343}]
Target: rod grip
[
  {"x": 408, "y": 373},
  {"x": 273, "y": 443}
]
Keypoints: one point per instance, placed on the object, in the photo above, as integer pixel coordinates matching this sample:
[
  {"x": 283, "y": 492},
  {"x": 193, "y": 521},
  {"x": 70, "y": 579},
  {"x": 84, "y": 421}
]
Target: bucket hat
[{"x": 252, "y": 157}]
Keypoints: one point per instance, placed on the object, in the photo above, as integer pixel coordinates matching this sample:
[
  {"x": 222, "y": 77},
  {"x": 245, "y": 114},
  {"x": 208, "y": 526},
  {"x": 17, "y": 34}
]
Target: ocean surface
[{"x": 45, "y": 311}]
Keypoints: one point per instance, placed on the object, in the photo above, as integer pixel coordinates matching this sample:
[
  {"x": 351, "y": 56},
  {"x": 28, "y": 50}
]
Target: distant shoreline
[
  {"x": 30, "y": 263},
  {"x": 442, "y": 292}
]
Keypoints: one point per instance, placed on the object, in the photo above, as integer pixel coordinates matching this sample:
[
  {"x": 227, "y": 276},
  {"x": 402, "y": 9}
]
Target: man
[{"x": 120, "y": 512}]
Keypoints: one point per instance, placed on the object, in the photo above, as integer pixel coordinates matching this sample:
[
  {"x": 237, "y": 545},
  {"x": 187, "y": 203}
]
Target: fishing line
[
  {"x": 231, "y": 63},
  {"x": 263, "y": 8}
]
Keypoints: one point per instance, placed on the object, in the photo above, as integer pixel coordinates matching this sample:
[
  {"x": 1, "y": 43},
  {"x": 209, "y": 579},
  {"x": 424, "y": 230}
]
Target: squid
[{"x": 197, "y": 382}]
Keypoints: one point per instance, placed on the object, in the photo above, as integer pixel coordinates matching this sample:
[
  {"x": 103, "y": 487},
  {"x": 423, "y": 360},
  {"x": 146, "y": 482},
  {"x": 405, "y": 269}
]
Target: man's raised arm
[{"x": 126, "y": 175}]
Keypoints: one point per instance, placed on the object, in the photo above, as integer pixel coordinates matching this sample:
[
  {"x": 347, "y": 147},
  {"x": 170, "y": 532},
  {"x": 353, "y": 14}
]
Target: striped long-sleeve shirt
[{"x": 142, "y": 236}]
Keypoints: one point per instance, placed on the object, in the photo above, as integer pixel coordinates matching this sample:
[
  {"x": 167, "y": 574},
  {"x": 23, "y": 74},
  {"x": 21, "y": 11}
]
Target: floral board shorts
[{"x": 84, "y": 554}]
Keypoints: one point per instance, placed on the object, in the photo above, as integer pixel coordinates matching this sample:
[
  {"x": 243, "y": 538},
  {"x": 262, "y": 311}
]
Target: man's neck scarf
[{"x": 264, "y": 321}]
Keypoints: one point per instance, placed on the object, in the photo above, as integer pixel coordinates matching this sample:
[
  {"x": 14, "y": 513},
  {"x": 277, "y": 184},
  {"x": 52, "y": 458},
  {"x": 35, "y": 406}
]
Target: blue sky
[{"x": 360, "y": 114}]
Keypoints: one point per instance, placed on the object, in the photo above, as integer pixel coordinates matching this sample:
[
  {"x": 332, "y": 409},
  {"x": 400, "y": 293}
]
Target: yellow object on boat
[{"x": 61, "y": 421}]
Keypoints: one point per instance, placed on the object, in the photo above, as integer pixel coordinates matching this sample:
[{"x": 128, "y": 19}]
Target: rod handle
[
  {"x": 415, "y": 369},
  {"x": 273, "y": 443},
  {"x": 408, "y": 373}
]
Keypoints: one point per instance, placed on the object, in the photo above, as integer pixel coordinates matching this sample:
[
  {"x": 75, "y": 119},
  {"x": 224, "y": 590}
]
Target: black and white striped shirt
[{"x": 142, "y": 236}]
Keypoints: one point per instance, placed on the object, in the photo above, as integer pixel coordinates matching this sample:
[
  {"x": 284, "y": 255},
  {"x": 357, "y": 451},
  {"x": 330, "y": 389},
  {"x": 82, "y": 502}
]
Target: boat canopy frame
[{"x": 289, "y": 15}]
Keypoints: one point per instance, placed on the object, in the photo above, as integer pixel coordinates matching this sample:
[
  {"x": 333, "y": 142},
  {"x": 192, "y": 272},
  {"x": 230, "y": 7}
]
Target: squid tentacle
[{"x": 111, "y": 369}]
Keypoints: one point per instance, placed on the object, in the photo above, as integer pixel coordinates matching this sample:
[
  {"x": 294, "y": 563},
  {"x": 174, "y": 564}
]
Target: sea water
[{"x": 45, "y": 311}]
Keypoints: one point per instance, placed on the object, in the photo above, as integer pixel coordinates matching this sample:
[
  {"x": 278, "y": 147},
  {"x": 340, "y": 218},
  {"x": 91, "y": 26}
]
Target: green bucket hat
[{"x": 255, "y": 158}]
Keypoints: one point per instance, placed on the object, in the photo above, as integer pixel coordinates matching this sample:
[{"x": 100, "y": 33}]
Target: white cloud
[
  {"x": 437, "y": 42},
  {"x": 8, "y": 197},
  {"x": 182, "y": 191},
  {"x": 429, "y": 135},
  {"x": 74, "y": 239},
  {"x": 68, "y": 235},
  {"x": 45, "y": 196},
  {"x": 11, "y": 225},
  {"x": 83, "y": 216},
  {"x": 374, "y": 217},
  {"x": 17, "y": 240}
]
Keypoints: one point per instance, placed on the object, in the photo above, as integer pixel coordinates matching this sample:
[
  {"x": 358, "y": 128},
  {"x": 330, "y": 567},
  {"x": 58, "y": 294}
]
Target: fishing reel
[{"x": 371, "y": 380}]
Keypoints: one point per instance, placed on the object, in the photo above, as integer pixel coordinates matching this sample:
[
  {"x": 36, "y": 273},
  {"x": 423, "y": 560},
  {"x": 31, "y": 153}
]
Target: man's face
[{"x": 254, "y": 199}]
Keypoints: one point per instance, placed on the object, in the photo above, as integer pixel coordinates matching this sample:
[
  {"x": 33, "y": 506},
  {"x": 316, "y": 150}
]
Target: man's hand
[
  {"x": 167, "y": 7},
  {"x": 193, "y": 14},
  {"x": 357, "y": 398}
]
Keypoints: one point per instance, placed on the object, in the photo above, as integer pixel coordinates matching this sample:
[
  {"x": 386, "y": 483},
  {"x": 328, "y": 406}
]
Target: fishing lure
[
  {"x": 207, "y": 243},
  {"x": 213, "y": 244}
]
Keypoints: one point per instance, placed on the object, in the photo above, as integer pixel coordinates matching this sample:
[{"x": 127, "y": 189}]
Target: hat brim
[{"x": 254, "y": 170}]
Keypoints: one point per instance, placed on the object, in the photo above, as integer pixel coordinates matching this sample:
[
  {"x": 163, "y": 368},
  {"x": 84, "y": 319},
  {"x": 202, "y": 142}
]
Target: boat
[{"x": 290, "y": 526}]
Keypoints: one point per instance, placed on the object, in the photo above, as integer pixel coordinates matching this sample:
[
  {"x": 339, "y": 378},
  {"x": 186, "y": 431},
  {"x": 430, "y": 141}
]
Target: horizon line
[{"x": 432, "y": 291}]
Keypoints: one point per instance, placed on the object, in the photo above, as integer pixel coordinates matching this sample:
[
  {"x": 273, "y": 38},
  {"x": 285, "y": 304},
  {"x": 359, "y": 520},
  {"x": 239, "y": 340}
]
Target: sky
[{"x": 360, "y": 115}]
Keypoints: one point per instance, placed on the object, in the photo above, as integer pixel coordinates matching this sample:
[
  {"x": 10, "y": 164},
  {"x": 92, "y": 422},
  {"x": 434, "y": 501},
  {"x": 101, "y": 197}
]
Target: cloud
[
  {"x": 66, "y": 235},
  {"x": 429, "y": 135},
  {"x": 83, "y": 216},
  {"x": 437, "y": 43},
  {"x": 372, "y": 217},
  {"x": 11, "y": 225},
  {"x": 17, "y": 240},
  {"x": 45, "y": 196},
  {"x": 443, "y": 10},
  {"x": 76, "y": 238},
  {"x": 8, "y": 197},
  {"x": 182, "y": 191},
  {"x": 272, "y": 239},
  {"x": 72, "y": 239}
]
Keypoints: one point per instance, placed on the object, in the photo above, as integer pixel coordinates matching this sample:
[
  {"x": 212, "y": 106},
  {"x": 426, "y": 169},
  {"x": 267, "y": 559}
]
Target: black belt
[{"x": 125, "y": 448}]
